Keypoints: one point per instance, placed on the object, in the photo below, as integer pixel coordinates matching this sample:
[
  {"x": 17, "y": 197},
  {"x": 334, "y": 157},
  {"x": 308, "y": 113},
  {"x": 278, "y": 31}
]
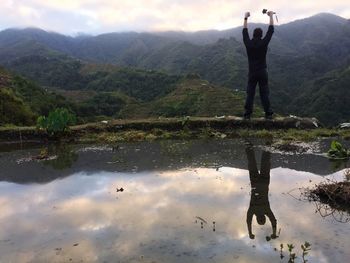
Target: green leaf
[{"x": 335, "y": 145}]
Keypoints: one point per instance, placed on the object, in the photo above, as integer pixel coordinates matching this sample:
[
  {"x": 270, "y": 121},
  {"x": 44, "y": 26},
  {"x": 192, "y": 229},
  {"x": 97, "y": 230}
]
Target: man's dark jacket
[{"x": 257, "y": 49}]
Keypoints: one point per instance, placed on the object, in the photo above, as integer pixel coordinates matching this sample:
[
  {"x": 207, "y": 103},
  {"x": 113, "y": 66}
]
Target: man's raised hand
[
  {"x": 270, "y": 13},
  {"x": 247, "y": 14}
]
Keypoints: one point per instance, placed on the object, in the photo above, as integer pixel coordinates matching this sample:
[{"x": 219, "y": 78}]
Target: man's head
[
  {"x": 261, "y": 219},
  {"x": 258, "y": 33}
]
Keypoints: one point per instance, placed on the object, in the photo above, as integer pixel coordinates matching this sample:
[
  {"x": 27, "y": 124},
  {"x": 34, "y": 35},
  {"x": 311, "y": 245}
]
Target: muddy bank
[
  {"x": 286, "y": 129},
  {"x": 334, "y": 194},
  {"x": 222, "y": 124}
]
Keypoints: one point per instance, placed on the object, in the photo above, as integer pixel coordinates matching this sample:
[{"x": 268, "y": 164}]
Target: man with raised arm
[{"x": 256, "y": 51}]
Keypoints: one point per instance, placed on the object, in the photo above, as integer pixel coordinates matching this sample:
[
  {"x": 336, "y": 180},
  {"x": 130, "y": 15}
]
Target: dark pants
[{"x": 254, "y": 78}]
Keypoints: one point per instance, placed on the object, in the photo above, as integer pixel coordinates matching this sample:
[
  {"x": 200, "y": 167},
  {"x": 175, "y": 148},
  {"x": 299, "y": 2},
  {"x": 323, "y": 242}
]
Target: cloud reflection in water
[{"x": 154, "y": 218}]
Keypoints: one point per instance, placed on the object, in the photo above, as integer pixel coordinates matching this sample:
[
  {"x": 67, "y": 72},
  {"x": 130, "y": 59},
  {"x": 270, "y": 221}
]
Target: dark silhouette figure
[
  {"x": 256, "y": 51},
  {"x": 259, "y": 198}
]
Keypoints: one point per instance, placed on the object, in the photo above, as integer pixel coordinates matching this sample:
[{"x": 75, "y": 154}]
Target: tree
[{"x": 57, "y": 123}]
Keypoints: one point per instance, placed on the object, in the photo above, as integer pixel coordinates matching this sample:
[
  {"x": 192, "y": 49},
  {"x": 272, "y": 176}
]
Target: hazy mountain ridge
[
  {"x": 114, "y": 45},
  {"x": 300, "y": 52}
]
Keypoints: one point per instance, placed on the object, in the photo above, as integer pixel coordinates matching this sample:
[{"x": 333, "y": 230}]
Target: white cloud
[
  {"x": 98, "y": 16},
  {"x": 28, "y": 12}
]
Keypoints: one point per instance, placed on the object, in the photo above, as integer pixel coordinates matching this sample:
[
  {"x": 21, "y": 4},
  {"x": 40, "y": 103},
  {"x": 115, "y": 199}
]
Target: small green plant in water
[
  {"x": 57, "y": 122},
  {"x": 292, "y": 255},
  {"x": 338, "y": 151},
  {"x": 281, "y": 251},
  {"x": 43, "y": 154},
  {"x": 306, "y": 247}
]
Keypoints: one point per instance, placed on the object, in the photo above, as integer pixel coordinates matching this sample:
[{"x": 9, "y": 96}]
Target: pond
[{"x": 166, "y": 201}]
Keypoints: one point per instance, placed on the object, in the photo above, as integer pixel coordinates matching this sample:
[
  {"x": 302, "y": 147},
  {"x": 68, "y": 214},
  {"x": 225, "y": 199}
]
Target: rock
[
  {"x": 302, "y": 123},
  {"x": 345, "y": 125}
]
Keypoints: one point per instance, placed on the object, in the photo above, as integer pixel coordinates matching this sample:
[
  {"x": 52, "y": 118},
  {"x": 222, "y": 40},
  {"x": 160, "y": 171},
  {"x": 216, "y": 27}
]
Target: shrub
[
  {"x": 57, "y": 122},
  {"x": 338, "y": 151}
]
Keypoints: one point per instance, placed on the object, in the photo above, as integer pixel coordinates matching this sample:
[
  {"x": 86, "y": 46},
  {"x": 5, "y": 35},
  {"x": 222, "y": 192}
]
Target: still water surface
[{"x": 181, "y": 202}]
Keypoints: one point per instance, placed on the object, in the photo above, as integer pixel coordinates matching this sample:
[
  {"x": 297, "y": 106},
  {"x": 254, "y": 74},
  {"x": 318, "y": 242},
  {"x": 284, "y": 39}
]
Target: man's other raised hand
[{"x": 270, "y": 13}]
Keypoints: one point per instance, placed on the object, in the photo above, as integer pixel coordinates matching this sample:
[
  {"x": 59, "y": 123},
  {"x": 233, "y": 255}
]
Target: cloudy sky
[{"x": 98, "y": 16}]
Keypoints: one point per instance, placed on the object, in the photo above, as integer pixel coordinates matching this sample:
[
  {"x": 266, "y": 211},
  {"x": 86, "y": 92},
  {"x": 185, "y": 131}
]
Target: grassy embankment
[{"x": 184, "y": 128}]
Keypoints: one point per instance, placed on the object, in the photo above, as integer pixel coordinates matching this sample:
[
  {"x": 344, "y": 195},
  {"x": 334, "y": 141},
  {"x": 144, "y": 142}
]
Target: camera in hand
[{"x": 265, "y": 11}]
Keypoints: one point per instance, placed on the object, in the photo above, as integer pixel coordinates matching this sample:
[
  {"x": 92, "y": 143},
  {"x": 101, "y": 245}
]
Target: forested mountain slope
[
  {"x": 21, "y": 101},
  {"x": 301, "y": 53}
]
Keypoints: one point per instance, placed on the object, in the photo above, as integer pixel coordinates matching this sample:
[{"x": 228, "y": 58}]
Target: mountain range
[{"x": 308, "y": 63}]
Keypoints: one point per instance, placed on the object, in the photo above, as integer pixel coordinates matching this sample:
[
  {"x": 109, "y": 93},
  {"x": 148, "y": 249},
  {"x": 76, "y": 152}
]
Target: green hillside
[
  {"x": 43, "y": 65},
  {"x": 116, "y": 92},
  {"x": 55, "y": 70},
  {"x": 21, "y": 101},
  {"x": 89, "y": 104},
  {"x": 140, "y": 84},
  {"x": 327, "y": 98},
  {"x": 13, "y": 110},
  {"x": 192, "y": 97}
]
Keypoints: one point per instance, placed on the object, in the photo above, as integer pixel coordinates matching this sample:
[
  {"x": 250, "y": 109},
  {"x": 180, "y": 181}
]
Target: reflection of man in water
[{"x": 259, "y": 199}]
